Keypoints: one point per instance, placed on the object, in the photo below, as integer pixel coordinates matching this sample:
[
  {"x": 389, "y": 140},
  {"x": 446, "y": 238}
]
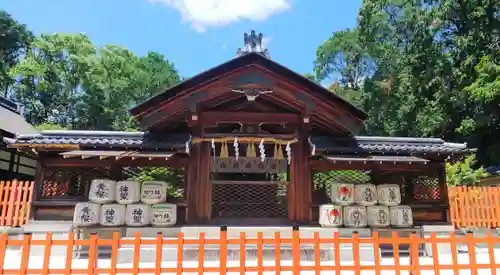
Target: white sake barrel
[
  {"x": 112, "y": 215},
  {"x": 154, "y": 192},
  {"x": 164, "y": 214},
  {"x": 365, "y": 194},
  {"x": 355, "y": 216},
  {"x": 137, "y": 215},
  {"x": 330, "y": 215},
  {"x": 102, "y": 191},
  {"x": 342, "y": 193},
  {"x": 378, "y": 216},
  {"x": 389, "y": 194},
  {"x": 128, "y": 192},
  {"x": 86, "y": 214},
  {"x": 401, "y": 216}
]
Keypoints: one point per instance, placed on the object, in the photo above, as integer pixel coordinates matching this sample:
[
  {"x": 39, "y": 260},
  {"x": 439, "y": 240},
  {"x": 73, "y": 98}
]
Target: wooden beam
[
  {"x": 176, "y": 161},
  {"x": 211, "y": 118}
]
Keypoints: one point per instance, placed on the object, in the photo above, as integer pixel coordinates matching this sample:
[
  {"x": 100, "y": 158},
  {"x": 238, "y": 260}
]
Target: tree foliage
[
  {"x": 65, "y": 80},
  {"x": 14, "y": 40},
  {"x": 422, "y": 68},
  {"x": 463, "y": 173}
]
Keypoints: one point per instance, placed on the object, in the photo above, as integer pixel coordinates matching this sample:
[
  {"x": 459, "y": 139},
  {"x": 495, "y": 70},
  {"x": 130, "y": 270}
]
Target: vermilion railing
[
  {"x": 15, "y": 199},
  {"x": 474, "y": 206},
  {"x": 415, "y": 263}
]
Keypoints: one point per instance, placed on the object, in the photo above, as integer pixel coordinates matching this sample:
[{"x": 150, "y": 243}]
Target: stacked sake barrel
[
  {"x": 364, "y": 205},
  {"x": 126, "y": 203}
]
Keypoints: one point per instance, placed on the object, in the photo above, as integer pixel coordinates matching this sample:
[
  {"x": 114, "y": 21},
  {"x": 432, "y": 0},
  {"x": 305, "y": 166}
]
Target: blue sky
[{"x": 195, "y": 34}]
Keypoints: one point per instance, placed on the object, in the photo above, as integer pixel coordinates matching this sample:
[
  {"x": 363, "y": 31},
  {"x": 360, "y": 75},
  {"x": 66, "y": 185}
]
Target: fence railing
[
  {"x": 474, "y": 206},
  {"x": 21, "y": 262},
  {"x": 15, "y": 199}
]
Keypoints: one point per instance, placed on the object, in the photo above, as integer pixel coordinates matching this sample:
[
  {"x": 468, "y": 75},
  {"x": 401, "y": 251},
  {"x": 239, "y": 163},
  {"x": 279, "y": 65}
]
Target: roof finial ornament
[{"x": 253, "y": 44}]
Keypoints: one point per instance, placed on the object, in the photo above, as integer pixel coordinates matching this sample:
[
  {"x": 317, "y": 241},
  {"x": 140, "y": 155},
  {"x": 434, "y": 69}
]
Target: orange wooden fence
[
  {"x": 15, "y": 198},
  {"x": 412, "y": 264},
  {"x": 474, "y": 207}
]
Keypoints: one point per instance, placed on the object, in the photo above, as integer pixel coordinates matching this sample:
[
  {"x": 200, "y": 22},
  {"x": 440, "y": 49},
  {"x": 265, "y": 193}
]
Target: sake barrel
[
  {"x": 137, "y": 215},
  {"x": 154, "y": 192},
  {"x": 128, "y": 192},
  {"x": 401, "y": 216},
  {"x": 112, "y": 215},
  {"x": 355, "y": 216},
  {"x": 378, "y": 216},
  {"x": 86, "y": 214},
  {"x": 342, "y": 193},
  {"x": 164, "y": 214},
  {"x": 102, "y": 191},
  {"x": 389, "y": 194},
  {"x": 330, "y": 215},
  {"x": 365, "y": 194}
]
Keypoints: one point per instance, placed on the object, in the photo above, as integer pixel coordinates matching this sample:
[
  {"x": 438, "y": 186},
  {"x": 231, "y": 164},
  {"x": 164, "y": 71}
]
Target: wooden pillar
[
  {"x": 300, "y": 192},
  {"x": 443, "y": 190},
  {"x": 205, "y": 188},
  {"x": 192, "y": 186},
  {"x": 37, "y": 183},
  {"x": 115, "y": 172},
  {"x": 199, "y": 191}
]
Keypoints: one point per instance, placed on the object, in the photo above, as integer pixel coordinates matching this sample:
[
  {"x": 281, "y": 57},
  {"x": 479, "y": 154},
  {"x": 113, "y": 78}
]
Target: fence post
[
  {"x": 471, "y": 249},
  {"x": 223, "y": 250},
  {"x": 10, "y": 206},
  {"x": 296, "y": 250},
  {"x": 25, "y": 254},
  {"x": 355, "y": 252},
  {"x": 92, "y": 253},
  {"x": 3, "y": 248},
  {"x": 414, "y": 254},
  {"x": 159, "y": 252}
]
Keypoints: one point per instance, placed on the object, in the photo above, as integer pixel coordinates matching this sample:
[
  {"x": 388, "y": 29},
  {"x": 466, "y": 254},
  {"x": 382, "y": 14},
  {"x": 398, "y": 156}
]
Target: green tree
[
  {"x": 463, "y": 172},
  {"x": 430, "y": 69},
  {"x": 14, "y": 41},
  {"x": 49, "y": 78}
]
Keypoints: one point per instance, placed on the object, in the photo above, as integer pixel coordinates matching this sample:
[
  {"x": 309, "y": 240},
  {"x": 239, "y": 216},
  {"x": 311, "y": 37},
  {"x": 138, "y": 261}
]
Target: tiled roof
[
  {"x": 393, "y": 145},
  {"x": 13, "y": 122},
  {"x": 109, "y": 139}
]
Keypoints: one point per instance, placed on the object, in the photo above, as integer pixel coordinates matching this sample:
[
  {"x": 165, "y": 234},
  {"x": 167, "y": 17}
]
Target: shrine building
[{"x": 247, "y": 142}]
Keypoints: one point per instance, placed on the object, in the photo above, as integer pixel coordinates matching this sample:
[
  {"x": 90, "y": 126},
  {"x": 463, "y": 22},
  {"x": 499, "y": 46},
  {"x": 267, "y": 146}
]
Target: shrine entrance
[{"x": 249, "y": 190}]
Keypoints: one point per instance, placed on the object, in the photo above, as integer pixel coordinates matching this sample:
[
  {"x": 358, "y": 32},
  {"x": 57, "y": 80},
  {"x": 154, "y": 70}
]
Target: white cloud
[{"x": 210, "y": 13}]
